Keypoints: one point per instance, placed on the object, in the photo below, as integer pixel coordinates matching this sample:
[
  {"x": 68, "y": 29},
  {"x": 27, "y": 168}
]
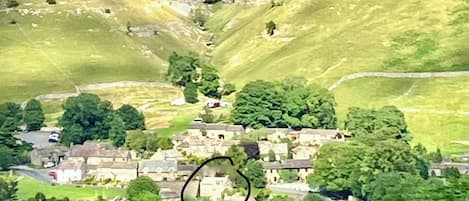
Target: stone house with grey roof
[
  {"x": 41, "y": 156},
  {"x": 279, "y": 149},
  {"x": 437, "y": 168},
  {"x": 205, "y": 148},
  {"x": 93, "y": 153},
  {"x": 158, "y": 170},
  {"x": 120, "y": 171},
  {"x": 215, "y": 131},
  {"x": 272, "y": 169}
]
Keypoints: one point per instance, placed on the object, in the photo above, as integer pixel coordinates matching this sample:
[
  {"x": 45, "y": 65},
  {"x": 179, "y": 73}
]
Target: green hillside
[
  {"x": 326, "y": 39},
  {"x": 52, "y": 48}
]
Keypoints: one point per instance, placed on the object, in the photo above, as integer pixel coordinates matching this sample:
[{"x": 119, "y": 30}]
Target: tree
[
  {"x": 12, "y": 3},
  {"x": 436, "y": 157},
  {"x": 238, "y": 156},
  {"x": 85, "y": 117},
  {"x": 8, "y": 189},
  {"x": 33, "y": 115},
  {"x": 258, "y": 104},
  {"x": 287, "y": 103},
  {"x": 117, "y": 133},
  {"x": 313, "y": 197},
  {"x": 262, "y": 195},
  {"x": 270, "y": 27},
  {"x": 207, "y": 116},
  {"x": 40, "y": 196},
  {"x": 255, "y": 173},
  {"x": 190, "y": 93},
  {"x": 6, "y": 156},
  {"x": 450, "y": 172},
  {"x": 10, "y": 125},
  {"x": 10, "y": 110},
  {"x": 51, "y": 2},
  {"x": 182, "y": 69},
  {"x": 210, "y": 83},
  {"x": 288, "y": 176},
  {"x": 141, "y": 185},
  {"x": 132, "y": 118},
  {"x": 387, "y": 121},
  {"x": 164, "y": 143},
  {"x": 147, "y": 196},
  {"x": 228, "y": 89}
]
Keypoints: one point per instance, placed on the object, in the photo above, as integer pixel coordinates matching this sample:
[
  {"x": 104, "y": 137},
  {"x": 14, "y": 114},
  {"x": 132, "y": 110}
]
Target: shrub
[
  {"x": 12, "y": 3},
  {"x": 51, "y": 2},
  {"x": 270, "y": 27}
]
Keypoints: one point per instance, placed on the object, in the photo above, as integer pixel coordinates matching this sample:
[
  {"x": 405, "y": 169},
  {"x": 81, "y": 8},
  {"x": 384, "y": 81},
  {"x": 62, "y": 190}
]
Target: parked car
[
  {"x": 49, "y": 164},
  {"x": 54, "y": 138}
]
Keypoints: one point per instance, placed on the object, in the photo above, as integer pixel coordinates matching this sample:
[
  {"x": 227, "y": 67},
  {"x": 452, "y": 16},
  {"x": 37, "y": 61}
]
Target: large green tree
[
  {"x": 85, "y": 117},
  {"x": 142, "y": 185},
  {"x": 132, "y": 118},
  {"x": 255, "y": 173},
  {"x": 288, "y": 176},
  {"x": 313, "y": 197},
  {"x": 286, "y": 103},
  {"x": 349, "y": 168},
  {"x": 388, "y": 121},
  {"x": 182, "y": 69},
  {"x": 33, "y": 115}
]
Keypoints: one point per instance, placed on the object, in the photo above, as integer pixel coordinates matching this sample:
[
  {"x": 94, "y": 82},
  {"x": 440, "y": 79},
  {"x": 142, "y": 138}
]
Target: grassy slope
[
  {"x": 28, "y": 187},
  {"x": 66, "y": 49},
  {"x": 316, "y": 35},
  {"x": 324, "y": 40},
  {"x": 431, "y": 106}
]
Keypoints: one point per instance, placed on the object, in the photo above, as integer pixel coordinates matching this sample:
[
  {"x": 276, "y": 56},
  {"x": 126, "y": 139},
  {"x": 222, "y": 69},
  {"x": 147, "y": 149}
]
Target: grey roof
[
  {"x": 48, "y": 151},
  {"x": 310, "y": 131},
  {"x": 169, "y": 195},
  {"x": 462, "y": 167},
  {"x": 118, "y": 165},
  {"x": 225, "y": 127},
  {"x": 288, "y": 164},
  {"x": 97, "y": 149},
  {"x": 69, "y": 164},
  {"x": 187, "y": 167},
  {"x": 158, "y": 166},
  {"x": 178, "y": 137}
]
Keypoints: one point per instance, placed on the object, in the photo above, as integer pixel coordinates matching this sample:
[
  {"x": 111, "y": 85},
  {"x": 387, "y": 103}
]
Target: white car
[
  {"x": 49, "y": 164},
  {"x": 54, "y": 137}
]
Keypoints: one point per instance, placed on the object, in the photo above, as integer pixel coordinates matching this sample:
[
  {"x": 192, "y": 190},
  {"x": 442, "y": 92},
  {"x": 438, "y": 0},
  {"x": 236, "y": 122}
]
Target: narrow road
[
  {"x": 399, "y": 76},
  {"x": 39, "y": 175}
]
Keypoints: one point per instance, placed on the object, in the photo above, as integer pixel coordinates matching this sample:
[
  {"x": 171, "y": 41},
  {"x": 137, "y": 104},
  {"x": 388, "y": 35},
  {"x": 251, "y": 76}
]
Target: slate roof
[
  {"x": 288, "y": 164},
  {"x": 462, "y": 167},
  {"x": 158, "y": 166},
  {"x": 118, "y": 165},
  {"x": 225, "y": 127},
  {"x": 165, "y": 195},
  {"x": 69, "y": 164},
  {"x": 187, "y": 167},
  {"x": 97, "y": 149},
  {"x": 324, "y": 132}
]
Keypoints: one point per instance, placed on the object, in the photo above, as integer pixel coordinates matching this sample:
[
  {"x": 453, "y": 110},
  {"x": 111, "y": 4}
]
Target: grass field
[
  {"x": 436, "y": 110},
  {"x": 28, "y": 187},
  {"x": 52, "y": 48},
  {"x": 324, "y": 40}
]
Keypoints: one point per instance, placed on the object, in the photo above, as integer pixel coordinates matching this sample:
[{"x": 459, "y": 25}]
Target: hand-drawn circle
[{"x": 208, "y": 161}]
